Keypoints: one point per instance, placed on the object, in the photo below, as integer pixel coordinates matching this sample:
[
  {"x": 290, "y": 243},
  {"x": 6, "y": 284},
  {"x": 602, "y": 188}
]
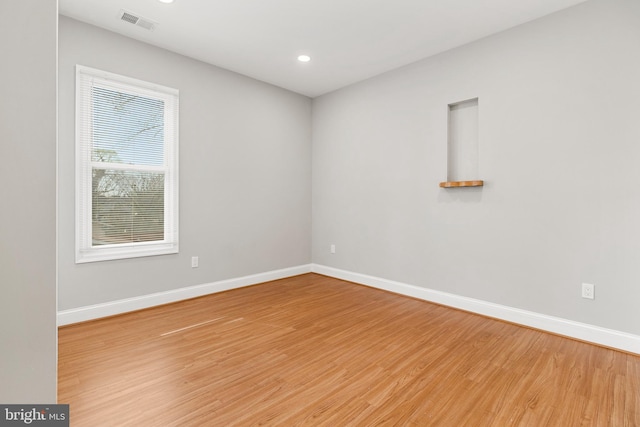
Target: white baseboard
[
  {"x": 82, "y": 314},
  {"x": 581, "y": 331}
]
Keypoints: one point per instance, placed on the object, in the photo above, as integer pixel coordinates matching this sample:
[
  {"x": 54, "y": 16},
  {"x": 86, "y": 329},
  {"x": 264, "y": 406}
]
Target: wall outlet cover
[{"x": 588, "y": 291}]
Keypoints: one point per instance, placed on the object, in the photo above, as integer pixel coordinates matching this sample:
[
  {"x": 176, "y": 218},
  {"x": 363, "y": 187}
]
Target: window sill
[{"x": 113, "y": 253}]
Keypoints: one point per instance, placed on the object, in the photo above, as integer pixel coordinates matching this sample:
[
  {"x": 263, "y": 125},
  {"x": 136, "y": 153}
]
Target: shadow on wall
[{"x": 462, "y": 194}]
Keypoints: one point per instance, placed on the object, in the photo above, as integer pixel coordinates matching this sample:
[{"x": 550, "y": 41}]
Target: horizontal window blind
[{"x": 127, "y": 167}]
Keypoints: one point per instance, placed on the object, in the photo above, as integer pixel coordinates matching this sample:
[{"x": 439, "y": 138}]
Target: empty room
[{"x": 419, "y": 212}]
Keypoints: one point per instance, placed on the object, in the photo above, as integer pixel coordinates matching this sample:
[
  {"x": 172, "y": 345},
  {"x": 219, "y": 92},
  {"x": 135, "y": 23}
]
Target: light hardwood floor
[{"x": 317, "y": 351}]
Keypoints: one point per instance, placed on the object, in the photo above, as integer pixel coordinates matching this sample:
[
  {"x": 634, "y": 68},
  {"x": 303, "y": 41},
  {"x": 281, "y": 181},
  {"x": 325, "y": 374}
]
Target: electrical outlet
[
  {"x": 333, "y": 249},
  {"x": 194, "y": 262},
  {"x": 588, "y": 290}
]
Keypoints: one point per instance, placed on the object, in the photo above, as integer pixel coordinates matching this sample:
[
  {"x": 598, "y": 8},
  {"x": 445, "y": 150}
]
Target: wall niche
[{"x": 462, "y": 145}]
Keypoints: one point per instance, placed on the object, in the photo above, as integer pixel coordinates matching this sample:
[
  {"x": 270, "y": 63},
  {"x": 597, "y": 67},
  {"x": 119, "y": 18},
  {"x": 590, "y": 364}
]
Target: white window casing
[{"x": 126, "y": 167}]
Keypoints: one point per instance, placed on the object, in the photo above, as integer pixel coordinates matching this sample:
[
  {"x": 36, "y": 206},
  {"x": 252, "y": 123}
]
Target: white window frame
[{"x": 86, "y": 78}]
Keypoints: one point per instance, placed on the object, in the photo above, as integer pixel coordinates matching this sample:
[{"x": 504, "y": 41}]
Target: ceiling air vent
[{"x": 134, "y": 19}]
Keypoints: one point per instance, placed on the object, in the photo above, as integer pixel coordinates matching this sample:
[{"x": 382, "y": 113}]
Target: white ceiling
[{"x": 348, "y": 40}]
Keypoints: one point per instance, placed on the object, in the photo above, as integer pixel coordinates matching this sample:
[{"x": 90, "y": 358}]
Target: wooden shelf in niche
[
  {"x": 462, "y": 145},
  {"x": 457, "y": 184}
]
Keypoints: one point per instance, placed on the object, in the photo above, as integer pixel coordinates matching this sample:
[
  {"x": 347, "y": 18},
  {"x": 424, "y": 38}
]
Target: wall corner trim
[
  {"x": 92, "y": 312},
  {"x": 568, "y": 328}
]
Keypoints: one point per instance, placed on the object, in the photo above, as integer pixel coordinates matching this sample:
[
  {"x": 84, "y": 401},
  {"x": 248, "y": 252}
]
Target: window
[{"x": 126, "y": 167}]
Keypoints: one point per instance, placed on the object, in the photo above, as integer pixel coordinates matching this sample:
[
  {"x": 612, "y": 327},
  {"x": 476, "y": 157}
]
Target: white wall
[
  {"x": 28, "y": 348},
  {"x": 244, "y": 172},
  {"x": 559, "y": 150}
]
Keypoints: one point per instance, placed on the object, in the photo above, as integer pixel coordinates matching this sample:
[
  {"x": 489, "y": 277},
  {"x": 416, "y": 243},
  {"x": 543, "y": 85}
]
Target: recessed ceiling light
[
  {"x": 166, "y": 1},
  {"x": 304, "y": 58}
]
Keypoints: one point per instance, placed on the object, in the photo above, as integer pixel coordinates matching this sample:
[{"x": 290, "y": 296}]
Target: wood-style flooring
[{"x": 316, "y": 351}]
